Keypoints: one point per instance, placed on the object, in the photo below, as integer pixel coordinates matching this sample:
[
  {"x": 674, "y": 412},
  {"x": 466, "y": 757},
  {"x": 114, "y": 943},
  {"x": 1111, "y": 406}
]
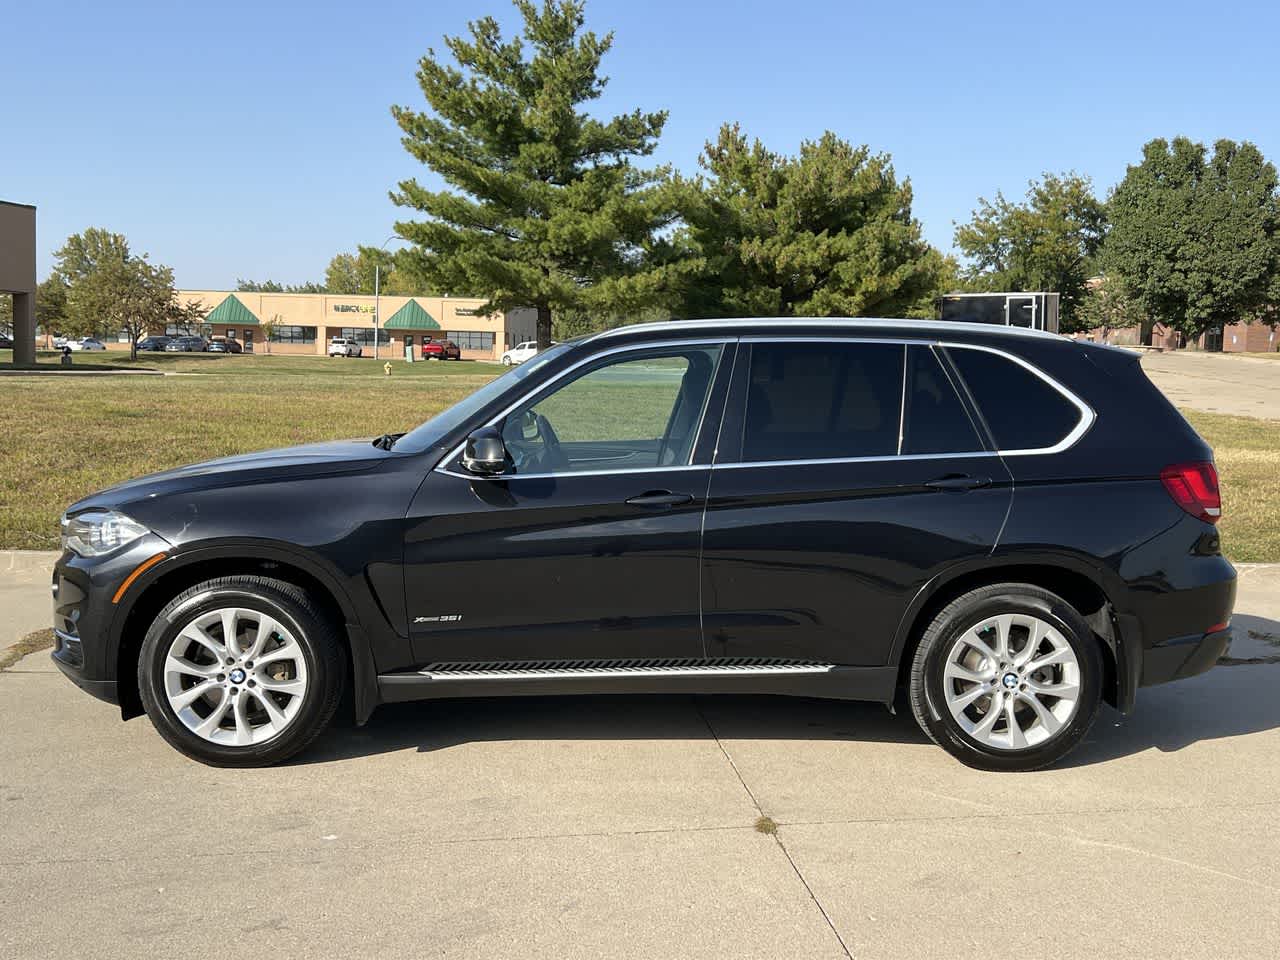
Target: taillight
[{"x": 1194, "y": 487}]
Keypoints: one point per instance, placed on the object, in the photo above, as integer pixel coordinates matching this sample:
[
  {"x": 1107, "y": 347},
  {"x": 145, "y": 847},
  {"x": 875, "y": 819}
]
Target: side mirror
[
  {"x": 529, "y": 426},
  {"x": 485, "y": 453}
]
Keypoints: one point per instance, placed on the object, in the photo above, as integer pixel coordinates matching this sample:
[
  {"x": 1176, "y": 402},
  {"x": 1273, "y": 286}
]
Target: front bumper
[
  {"x": 86, "y": 634},
  {"x": 107, "y": 690}
]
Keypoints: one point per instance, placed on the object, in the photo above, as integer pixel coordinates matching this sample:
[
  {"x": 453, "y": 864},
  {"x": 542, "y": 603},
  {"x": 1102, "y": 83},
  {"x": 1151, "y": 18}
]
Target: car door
[
  {"x": 850, "y": 472},
  {"x": 586, "y": 549}
]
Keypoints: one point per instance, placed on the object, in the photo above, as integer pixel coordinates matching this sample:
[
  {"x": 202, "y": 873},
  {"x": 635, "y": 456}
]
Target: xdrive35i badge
[{"x": 443, "y": 618}]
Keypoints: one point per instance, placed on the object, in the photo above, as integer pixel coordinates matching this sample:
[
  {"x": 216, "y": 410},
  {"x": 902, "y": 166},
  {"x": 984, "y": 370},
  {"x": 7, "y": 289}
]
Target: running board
[
  {"x": 591, "y": 669},
  {"x": 555, "y": 677}
]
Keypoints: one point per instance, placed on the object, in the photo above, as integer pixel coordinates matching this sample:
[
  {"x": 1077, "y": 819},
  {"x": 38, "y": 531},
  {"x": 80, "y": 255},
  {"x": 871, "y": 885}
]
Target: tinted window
[
  {"x": 1022, "y": 410},
  {"x": 816, "y": 401},
  {"x": 935, "y": 420},
  {"x": 630, "y": 413}
]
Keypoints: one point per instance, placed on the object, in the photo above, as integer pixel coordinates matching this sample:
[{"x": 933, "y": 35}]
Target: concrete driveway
[
  {"x": 1217, "y": 382},
  {"x": 590, "y": 827}
]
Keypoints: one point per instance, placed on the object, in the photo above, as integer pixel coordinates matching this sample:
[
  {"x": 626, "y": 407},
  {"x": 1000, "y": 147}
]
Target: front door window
[{"x": 639, "y": 411}]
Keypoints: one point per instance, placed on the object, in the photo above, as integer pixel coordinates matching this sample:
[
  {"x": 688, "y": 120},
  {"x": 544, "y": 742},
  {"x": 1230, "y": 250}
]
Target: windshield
[{"x": 431, "y": 432}]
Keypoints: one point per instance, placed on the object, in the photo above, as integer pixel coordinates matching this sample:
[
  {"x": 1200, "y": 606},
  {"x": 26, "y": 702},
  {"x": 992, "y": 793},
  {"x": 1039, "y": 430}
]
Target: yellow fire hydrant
[{"x": 386, "y": 368}]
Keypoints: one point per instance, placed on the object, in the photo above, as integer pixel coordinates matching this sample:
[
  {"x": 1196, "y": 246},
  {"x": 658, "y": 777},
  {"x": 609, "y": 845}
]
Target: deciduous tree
[
  {"x": 1196, "y": 238},
  {"x": 543, "y": 206},
  {"x": 1108, "y": 305},
  {"x": 368, "y": 271},
  {"x": 128, "y": 294},
  {"x": 271, "y": 286},
  {"x": 1047, "y": 242}
]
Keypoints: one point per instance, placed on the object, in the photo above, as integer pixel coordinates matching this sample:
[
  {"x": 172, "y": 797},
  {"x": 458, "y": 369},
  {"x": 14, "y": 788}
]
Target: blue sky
[{"x": 237, "y": 139}]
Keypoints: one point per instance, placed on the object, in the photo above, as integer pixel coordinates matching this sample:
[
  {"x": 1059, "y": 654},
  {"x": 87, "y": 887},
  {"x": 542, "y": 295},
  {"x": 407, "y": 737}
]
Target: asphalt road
[
  {"x": 590, "y": 827},
  {"x": 1218, "y": 382}
]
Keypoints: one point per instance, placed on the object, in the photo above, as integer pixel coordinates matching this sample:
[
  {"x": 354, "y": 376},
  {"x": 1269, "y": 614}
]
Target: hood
[{"x": 309, "y": 460}]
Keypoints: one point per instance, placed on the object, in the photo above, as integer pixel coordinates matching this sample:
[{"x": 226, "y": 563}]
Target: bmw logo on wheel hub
[{"x": 237, "y": 675}]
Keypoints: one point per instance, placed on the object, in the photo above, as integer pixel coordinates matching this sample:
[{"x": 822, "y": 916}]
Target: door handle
[
  {"x": 958, "y": 482},
  {"x": 660, "y": 498}
]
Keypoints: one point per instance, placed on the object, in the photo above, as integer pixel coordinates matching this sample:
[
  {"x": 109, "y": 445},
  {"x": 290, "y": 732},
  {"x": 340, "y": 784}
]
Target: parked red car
[{"x": 440, "y": 350}]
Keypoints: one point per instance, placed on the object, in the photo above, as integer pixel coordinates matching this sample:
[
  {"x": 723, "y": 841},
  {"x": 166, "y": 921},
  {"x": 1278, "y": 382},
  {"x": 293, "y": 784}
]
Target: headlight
[{"x": 95, "y": 532}]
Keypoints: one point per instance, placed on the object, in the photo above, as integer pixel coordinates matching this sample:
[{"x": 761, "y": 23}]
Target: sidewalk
[{"x": 24, "y": 593}]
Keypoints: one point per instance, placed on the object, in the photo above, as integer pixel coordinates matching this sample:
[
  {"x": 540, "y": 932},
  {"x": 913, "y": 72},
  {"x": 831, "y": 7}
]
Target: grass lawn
[
  {"x": 64, "y": 437},
  {"x": 1247, "y": 453}
]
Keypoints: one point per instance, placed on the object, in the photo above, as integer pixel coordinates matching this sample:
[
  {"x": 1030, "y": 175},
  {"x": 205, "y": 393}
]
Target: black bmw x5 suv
[{"x": 1004, "y": 527}]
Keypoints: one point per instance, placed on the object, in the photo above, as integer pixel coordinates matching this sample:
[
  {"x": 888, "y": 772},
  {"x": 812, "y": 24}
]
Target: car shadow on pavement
[
  {"x": 441, "y": 724},
  {"x": 1233, "y": 699}
]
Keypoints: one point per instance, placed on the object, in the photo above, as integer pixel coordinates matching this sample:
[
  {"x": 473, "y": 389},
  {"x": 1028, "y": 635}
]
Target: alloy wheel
[
  {"x": 1012, "y": 681},
  {"x": 235, "y": 676}
]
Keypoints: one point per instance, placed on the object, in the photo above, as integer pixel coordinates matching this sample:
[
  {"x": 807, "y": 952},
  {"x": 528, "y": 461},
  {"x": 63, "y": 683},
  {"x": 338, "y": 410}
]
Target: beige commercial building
[{"x": 303, "y": 323}]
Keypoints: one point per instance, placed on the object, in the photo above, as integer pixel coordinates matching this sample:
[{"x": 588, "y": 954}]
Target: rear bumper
[{"x": 1183, "y": 657}]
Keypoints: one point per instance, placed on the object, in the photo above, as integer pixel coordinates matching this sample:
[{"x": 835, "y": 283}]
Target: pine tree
[
  {"x": 544, "y": 207},
  {"x": 825, "y": 233}
]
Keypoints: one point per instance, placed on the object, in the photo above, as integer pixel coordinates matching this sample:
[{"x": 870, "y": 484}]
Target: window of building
[
  {"x": 182, "y": 330},
  {"x": 822, "y": 401},
  {"x": 293, "y": 334},
  {"x": 408, "y": 339},
  {"x": 362, "y": 335},
  {"x": 122, "y": 336},
  {"x": 471, "y": 339},
  {"x": 934, "y": 419},
  {"x": 1023, "y": 411}
]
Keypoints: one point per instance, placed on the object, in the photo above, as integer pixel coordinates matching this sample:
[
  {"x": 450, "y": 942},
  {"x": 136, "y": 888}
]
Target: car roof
[{"x": 942, "y": 329}]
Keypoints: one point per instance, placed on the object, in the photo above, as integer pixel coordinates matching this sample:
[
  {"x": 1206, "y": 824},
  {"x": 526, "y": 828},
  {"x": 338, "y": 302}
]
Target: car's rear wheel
[
  {"x": 241, "y": 671},
  {"x": 1007, "y": 677}
]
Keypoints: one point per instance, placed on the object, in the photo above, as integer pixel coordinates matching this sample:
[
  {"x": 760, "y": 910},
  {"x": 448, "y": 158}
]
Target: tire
[
  {"x": 954, "y": 683},
  {"x": 300, "y": 668}
]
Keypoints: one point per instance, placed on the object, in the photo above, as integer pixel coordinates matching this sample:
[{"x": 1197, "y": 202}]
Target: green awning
[
  {"x": 233, "y": 313},
  {"x": 411, "y": 317}
]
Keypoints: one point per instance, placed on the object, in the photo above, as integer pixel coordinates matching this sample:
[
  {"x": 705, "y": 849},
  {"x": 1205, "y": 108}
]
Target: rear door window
[
  {"x": 1023, "y": 410},
  {"x": 934, "y": 418},
  {"x": 822, "y": 401}
]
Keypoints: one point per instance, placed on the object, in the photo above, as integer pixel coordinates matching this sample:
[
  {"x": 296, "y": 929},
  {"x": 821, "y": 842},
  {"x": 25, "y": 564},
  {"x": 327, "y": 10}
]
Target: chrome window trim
[
  {"x": 1087, "y": 414},
  {"x": 896, "y": 458},
  {"x": 456, "y": 452}
]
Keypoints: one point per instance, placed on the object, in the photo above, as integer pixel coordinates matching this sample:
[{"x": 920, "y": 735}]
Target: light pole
[{"x": 377, "y": 276}]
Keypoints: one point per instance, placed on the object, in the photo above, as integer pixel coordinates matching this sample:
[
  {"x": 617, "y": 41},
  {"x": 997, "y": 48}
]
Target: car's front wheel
[
  {"x": 241, "y": 671},
  {"x": 1007, "y": 677}
]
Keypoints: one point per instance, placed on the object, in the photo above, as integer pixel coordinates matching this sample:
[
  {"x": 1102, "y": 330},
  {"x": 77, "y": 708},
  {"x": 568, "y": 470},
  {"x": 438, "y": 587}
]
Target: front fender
[{"x": 193, "y": 563}]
